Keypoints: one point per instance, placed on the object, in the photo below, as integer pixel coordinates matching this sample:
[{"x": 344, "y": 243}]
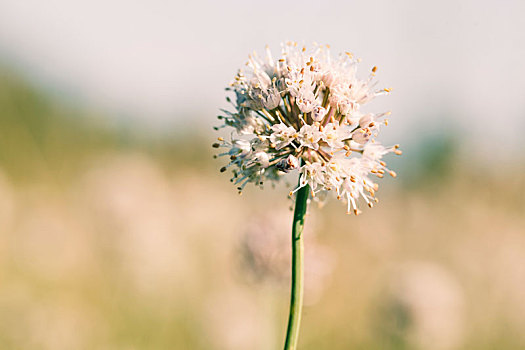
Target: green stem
[{"x": 296, "y": 300}]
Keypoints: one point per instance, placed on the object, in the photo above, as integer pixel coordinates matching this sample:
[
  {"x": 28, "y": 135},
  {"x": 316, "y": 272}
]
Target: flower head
[{"x": 302, "y": 112}]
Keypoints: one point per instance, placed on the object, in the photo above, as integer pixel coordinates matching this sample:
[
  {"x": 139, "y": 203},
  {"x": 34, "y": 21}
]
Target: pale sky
[{"x": 170, "y": 60}]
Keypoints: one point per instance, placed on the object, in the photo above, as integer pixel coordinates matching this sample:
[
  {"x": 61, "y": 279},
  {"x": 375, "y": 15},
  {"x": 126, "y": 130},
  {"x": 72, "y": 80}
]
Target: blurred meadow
[
  {"x": 111, "y": 238},
  {"x": 119, "y": 234}
]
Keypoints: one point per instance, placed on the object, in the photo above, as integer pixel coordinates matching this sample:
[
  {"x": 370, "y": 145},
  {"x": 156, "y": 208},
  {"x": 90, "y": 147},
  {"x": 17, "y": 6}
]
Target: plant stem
[{"x": 296, "y": 300}]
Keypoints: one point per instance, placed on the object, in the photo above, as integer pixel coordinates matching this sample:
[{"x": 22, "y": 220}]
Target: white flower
[
  {"x": 334, "y": 135},
  {"x": 374, "y": 151},
  {"x": 312, "y": 174},
  {"x": 373, "y": 121},
  {"x": 282, "y": 135},
  {"x": 306, "y": 101},
  {"x": 263, "y": 159},
  {"x": 240, "y": 148},
  {"x": 309, "y": 136},
  {"x": 302, "y": 112}
]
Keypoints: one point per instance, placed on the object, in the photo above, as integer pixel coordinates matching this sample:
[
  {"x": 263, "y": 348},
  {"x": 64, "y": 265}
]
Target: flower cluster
[{"x": 302, "y": 112}]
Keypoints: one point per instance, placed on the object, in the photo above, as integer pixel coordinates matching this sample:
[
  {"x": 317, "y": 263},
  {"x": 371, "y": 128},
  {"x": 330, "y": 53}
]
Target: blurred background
[{"x": 118, "y": 232}]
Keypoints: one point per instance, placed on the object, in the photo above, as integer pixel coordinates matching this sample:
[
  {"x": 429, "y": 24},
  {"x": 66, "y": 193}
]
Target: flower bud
[
  {"x": 292, "y": 161},
  {"x": 272, "y": 99},
  {"x": 318, "y": 114},
  {"x": 361, "y": 135},
  {"x": 287, "y": 164}
]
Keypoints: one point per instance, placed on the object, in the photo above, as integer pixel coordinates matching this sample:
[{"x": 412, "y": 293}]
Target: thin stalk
[{"x": 296, "y": 300}]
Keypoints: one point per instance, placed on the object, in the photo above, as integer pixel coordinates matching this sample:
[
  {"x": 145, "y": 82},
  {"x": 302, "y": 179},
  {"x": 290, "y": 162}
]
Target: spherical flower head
[{"x": 302, "y": 113}]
